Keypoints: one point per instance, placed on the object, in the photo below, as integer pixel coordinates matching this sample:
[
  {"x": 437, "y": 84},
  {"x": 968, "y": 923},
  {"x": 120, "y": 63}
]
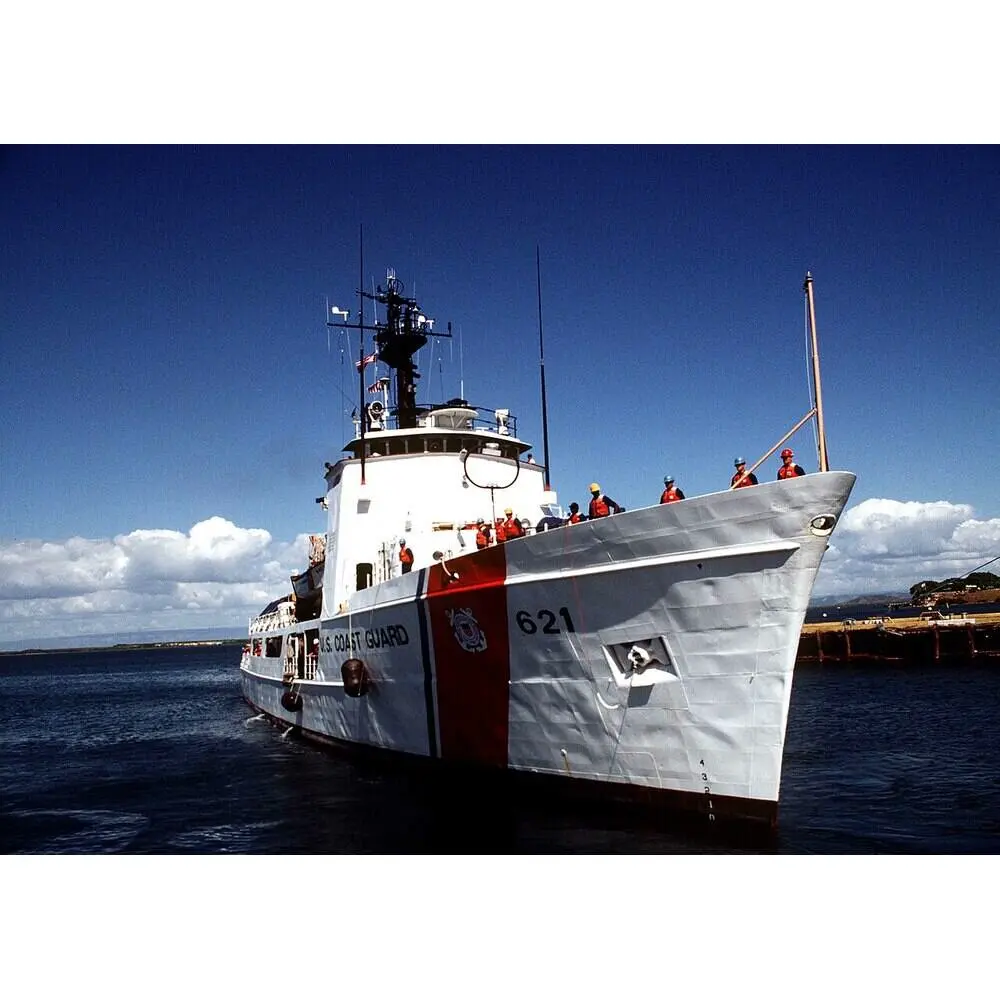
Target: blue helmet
[
  {"x": 740, "y": 461},
  {"x": 667, "y": 479}
]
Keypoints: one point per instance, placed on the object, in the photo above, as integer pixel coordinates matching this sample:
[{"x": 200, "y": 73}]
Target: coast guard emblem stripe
[{"x": 468, "y": 620}]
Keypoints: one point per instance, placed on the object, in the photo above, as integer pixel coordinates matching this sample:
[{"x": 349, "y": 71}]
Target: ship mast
[
  {"x": 403, "y": 333},
  {"x": 361, "y": 349},
  {"x": 541, "y": 364},
  {"x": 824, "y": 462}
]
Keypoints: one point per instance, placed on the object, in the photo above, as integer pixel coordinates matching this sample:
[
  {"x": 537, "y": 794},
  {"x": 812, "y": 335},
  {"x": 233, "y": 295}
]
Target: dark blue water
[{"x": 153, "y": 751}]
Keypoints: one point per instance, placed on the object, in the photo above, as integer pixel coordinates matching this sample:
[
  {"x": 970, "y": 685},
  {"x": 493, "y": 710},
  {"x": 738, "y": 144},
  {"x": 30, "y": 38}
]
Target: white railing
[
  {"x": 282, "y": 618},
  {"x": 308, "y": 670}
]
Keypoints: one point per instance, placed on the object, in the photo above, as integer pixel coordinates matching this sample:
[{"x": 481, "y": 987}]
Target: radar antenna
[{"x": 397, "y": 340}]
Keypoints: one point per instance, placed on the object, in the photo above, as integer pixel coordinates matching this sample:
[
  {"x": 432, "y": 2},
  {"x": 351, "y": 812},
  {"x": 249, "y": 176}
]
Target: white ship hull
[{"x": 517, "y": 658}]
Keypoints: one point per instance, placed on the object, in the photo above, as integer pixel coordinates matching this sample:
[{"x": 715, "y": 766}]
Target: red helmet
[{"x": 788, "y": 453}]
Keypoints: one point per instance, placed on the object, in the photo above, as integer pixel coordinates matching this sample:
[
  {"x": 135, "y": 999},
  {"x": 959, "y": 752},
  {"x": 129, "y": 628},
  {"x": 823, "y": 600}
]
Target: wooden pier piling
[{"x": 946, "y": 639}]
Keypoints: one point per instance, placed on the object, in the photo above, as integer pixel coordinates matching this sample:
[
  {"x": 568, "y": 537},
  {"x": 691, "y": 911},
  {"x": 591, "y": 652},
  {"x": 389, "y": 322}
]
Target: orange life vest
[
  {"x": 500, "y": 532},
  {"x": 598, "y": 507},
  {"x": 405, "y": 557},
  {"x": 669, "y": 496},
  {"x": 747, "y": 481},
  {"x": 788, "y": 471},
  {"x": 513, "y": 528},
  {"x": 575, "y": 519},
  {"x": 482, "y": 539}
]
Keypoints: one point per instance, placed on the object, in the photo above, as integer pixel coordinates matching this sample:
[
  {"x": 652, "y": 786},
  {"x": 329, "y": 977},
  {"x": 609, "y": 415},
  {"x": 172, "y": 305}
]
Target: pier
[{"x": 927, "y": 639}]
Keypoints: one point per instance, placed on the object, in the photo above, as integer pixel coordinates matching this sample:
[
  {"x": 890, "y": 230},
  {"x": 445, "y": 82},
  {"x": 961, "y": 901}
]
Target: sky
[{"x": 172, "y": 390}]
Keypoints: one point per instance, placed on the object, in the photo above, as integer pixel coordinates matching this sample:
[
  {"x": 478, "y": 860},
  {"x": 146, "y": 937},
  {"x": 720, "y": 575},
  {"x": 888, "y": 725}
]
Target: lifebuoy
[
  {"x": 356, "y": 680},
  {"x": 291, "y": 701}
]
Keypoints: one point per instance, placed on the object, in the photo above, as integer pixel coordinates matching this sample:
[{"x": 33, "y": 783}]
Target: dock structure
[{"x": 928, "y": 639}]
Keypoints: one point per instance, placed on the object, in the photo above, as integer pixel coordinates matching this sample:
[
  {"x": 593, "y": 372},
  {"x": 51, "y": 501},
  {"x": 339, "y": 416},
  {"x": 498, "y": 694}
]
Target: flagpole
[
  {"x": 541, "y": 363},
  {"x": 824, "y": 460}
]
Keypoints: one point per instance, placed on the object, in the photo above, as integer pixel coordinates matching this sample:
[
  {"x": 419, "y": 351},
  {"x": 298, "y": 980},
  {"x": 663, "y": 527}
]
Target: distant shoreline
[
  {"x": 897, "y": 602},
  {"x": 182, "y": 644}
]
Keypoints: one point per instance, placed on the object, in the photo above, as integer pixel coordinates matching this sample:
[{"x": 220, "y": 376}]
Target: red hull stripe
[{"x": 472, "y": 657}]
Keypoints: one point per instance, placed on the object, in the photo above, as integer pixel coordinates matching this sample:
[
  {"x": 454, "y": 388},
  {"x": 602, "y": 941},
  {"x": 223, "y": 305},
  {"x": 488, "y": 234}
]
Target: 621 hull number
[{"x": 545, "y": 621}]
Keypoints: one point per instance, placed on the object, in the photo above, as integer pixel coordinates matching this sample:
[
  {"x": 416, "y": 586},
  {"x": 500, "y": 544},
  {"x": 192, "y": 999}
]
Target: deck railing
[{"x": 281, "y": 618}]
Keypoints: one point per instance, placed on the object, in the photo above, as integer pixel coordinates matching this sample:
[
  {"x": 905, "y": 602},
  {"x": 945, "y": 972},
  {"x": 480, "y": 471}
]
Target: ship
[{"x": 642, "y": 658}]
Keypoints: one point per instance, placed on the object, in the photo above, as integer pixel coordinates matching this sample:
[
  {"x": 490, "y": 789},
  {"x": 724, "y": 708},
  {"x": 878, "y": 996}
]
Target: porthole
[{"x": 822, "y": 524}]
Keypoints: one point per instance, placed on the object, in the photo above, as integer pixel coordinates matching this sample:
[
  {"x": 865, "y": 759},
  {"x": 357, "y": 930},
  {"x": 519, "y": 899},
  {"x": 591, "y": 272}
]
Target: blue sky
[{"x": 162, "y": 331}]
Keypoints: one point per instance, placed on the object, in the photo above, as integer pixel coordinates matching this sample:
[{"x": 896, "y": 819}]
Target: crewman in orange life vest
[
  {"x": 601, "y": 505},
  {"x": 512, "y": 527},
  {"x": 788, "y": 469},
  {"x": 498, "y": 531},
  {"x": 575, "y": 517},
  {"x": 670, "y": 492},
  {"x": 482, "y": 534},
  {"x": 405, "y": 557},
  {"x": 741, "y": 477}
]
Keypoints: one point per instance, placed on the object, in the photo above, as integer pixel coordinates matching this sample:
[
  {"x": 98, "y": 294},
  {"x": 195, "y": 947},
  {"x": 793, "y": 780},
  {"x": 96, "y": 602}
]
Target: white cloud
[
  {"x": 215, "y": 575},
  {"x": 214, "y": 551},
  {"x": 885, "y": 546},
  {"x": 59, "y": 569}
]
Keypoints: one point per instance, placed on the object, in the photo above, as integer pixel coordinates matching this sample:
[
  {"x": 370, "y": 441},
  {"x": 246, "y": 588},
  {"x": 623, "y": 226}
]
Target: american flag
[
  {"x": 379, "y": 385},
  {"x": 364, "y": 362}
]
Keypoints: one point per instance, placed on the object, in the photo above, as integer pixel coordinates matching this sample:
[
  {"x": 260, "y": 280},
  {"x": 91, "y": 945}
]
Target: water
[{"x": 154, "y": 751}]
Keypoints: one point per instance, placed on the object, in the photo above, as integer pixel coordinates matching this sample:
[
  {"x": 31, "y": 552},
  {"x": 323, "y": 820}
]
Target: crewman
[
  {"x": 482, "y": 534},
  {"x": 498, "y": 531},
  {"x": 575, "y": 517},
  {"x": 741, "y": 477},
  {"x": 789, "y": 470},
  {"x": 512, "y": 527},
  {"x": 405, "y": 556},
  {"x": 670, "y": 492},
  {"x": 600, "y": 504}
]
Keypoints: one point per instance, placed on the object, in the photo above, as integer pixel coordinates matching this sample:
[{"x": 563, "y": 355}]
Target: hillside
[{"x": 965, "y": 596}]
